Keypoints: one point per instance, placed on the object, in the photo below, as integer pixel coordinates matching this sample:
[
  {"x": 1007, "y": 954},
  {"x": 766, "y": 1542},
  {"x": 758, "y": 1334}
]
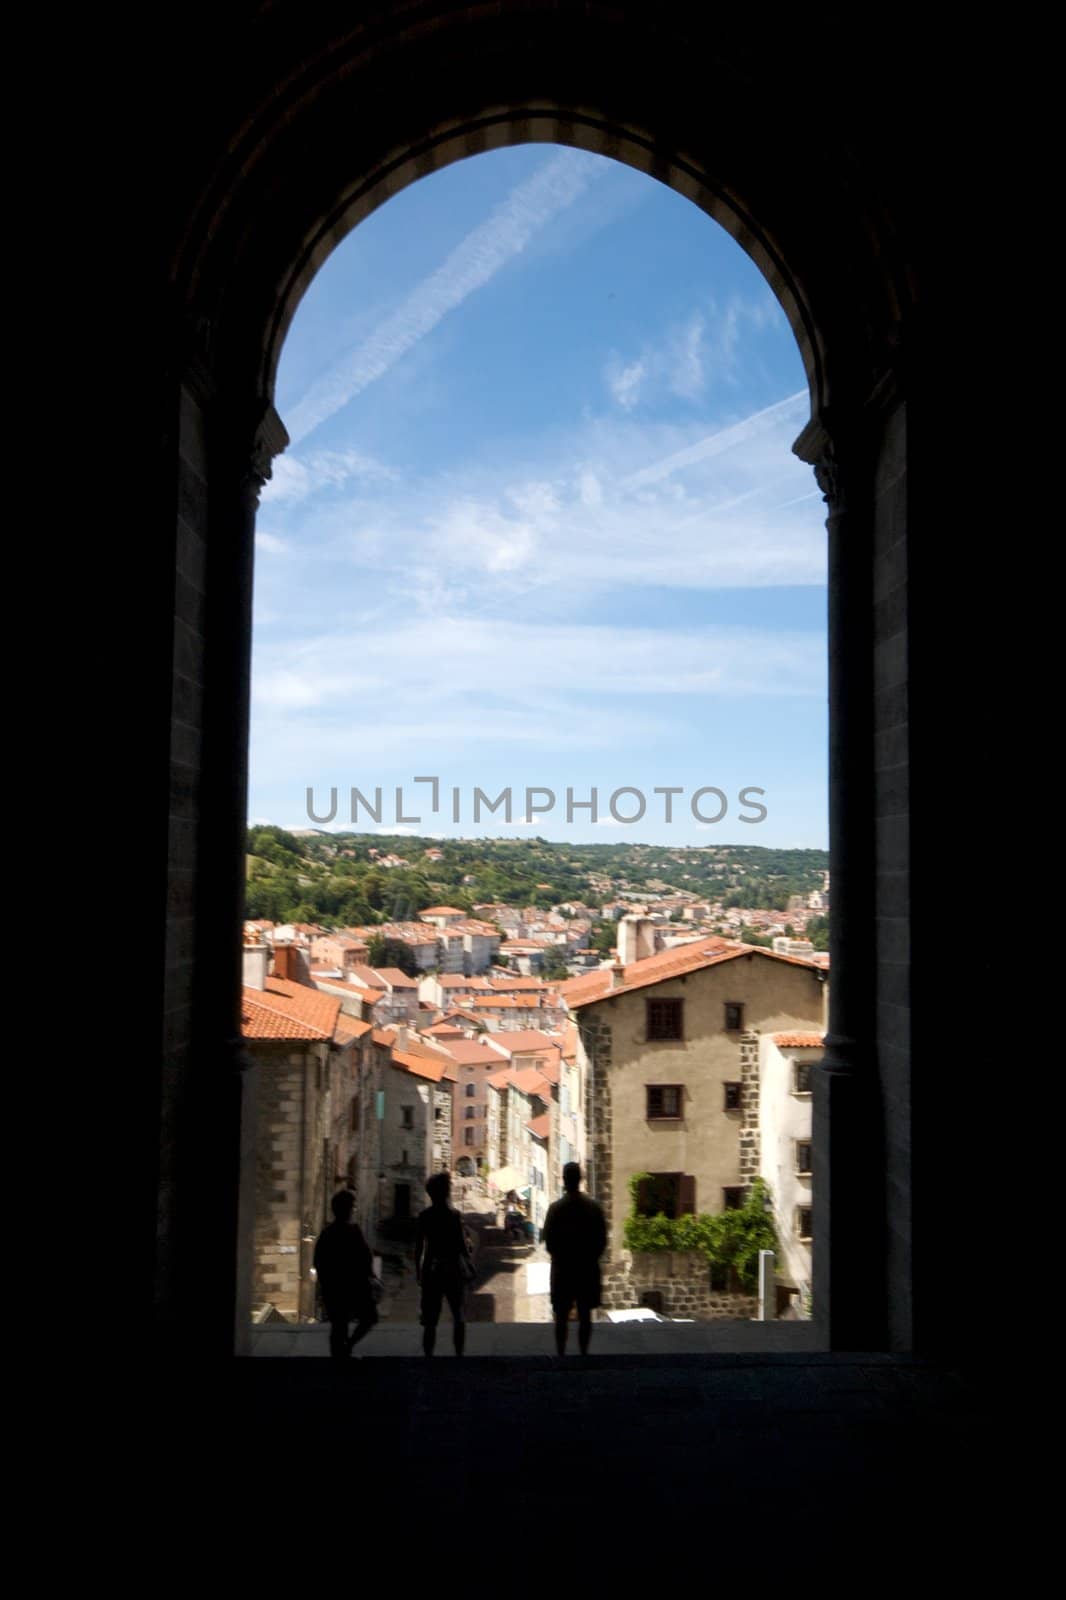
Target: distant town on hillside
[{"x": 345, "y": 879}]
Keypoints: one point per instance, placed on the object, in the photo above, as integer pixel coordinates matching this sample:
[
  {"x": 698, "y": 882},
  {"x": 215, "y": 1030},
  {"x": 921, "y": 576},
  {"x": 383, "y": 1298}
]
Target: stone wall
[
  {"x": 749, "y": 1109},
  {"x": 683, "y": 1279}
]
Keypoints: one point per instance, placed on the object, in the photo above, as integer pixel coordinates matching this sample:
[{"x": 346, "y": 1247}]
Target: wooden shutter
[
  {"x": 687, "y": 1196},
  {"x": 644, "y": 1198}
]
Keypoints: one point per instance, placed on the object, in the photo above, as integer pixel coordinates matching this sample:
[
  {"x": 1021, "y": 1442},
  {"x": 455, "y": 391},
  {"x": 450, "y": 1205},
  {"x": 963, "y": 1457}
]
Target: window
[
  {"x": 803, "y": 1157},
  {"x": 733, "y": 1096},
  {"x": 664, "y": 1019},
  {"x": 438, "y": 1115},
  {"x": 469, "y": 1113},
  {"x": 732, "y": 1199},
  {"x": 407, "y": 1117},
  {"x": 355, "y": 1116},
  {"x": 801, "y": 1077},
  {"x": 471, "y": 1090},
  {"x": 664, "y": 1101},
  {"x": 667, "y": 1194},
  {"x": 734, "y": 1016},
  {"x": 804, "y": 1222},
  {"x": 468, "y": 1135}
]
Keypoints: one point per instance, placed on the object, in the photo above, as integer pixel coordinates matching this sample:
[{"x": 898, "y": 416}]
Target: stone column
[
  {"x": 215, "y": 1242},
  {"x": 847, "y": 1190}
]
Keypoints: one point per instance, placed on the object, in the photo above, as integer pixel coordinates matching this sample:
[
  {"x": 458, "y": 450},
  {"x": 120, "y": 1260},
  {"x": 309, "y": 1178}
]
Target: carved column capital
[{"x": 269, "y": 439}]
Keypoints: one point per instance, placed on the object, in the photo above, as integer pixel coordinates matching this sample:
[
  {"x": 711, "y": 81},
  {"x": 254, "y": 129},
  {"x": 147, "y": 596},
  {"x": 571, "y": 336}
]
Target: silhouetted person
[
  {"x": 575, "y": 1236},
  {"x": 345, "y": 1266},
  {"x": 442, "y": 1263}
]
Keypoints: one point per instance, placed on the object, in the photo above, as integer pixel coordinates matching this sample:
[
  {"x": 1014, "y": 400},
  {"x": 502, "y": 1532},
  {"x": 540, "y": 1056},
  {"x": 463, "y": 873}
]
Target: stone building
[
  {"x": 665, "y": 1045},
  {"x": 289, "y": 1033}
]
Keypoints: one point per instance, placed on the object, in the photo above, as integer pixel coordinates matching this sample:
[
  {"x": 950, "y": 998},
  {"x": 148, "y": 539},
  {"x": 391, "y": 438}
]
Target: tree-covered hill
[{"x": 334, "y": 879}]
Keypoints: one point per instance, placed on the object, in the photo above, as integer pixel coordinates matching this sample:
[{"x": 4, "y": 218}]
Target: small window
[
  {"x": 803, "y": 1158},
  {"x": 407, "y": 1117},
  {"x": 664, "y": 1102},
  {"x": 801, "y": 1077},
  {"x": 732, "y": 1199},
  {"x": 804, "y": 1222},
  {"x": 733, "y": 1096},
  {"x": 468, "y": 1135},
  {"x": 734, "y": 1017},
  {"x": 470, "y": 1113},
  {"x": 471, "y": 1090},
  {"x": 665, "y": 1019},
  {"x": 438, "y": 1115}
]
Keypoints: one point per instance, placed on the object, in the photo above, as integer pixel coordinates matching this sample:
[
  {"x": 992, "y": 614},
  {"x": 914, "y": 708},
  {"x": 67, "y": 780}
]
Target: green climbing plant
[{"x": 730, "y": 1240}]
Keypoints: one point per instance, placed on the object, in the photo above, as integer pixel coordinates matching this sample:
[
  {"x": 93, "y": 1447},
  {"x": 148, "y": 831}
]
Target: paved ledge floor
[{"x": 514, "y": 1340}]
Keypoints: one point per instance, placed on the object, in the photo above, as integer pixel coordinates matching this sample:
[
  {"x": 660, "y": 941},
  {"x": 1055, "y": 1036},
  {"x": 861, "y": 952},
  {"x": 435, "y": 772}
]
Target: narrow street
[{"x": 512, "y": 1279}]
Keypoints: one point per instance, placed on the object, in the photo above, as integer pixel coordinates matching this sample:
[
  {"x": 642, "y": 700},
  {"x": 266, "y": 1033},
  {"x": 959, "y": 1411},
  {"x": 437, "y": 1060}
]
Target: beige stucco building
[{"x": 668, "y": 1047}]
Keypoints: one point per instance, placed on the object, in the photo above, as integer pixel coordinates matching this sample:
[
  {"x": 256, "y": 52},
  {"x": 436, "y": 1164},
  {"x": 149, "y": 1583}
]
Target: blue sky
[{"x": 540, "y": 523}]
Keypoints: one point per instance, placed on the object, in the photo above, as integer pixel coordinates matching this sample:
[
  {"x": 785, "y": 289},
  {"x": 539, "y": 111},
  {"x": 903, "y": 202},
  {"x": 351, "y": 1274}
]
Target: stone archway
[{"x": 315, "y": 126}]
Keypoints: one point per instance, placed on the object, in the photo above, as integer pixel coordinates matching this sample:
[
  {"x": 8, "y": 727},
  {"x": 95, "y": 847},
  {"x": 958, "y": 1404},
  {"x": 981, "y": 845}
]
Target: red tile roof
[
  {"x": 442, "y": 911},
  {"x": 419, "y": 1066},
  {"x": 470, "y": 1052},
  {"x": 284, "y": 1010},
  {"x": 540, "y": 1126},
  {"x": 799, "y": 1041},
  {"x": 349, "y": 1028},
  {"x": 524, "y": 1041},
  {"x": 683, "y": 958}
]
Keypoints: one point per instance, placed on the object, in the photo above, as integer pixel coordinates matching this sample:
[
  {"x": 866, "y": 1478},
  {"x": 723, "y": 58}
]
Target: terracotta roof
[
  {"x": 442, "y": 911},
  {"x": 501, "y": 1080},
  {"x": 540, "y": 1126},
  {"x": 395, "y": 978},
  {"x": 455, "y": 980},
  {"x": 525, "y": 1040},
  {"x": 499, "y": 1002},
  {"x": 683, "y": 958},
  {"x": 419, "y": 1066},
  {"x": 349, "y": 1028},
  {"x": 284, "y": 1010},
  {"x": 799, "y": 1041},
  {"x": 469, "y": 1052},
  {"x": 531, "y": 1081},
  {"x": 518, "y": 985}
]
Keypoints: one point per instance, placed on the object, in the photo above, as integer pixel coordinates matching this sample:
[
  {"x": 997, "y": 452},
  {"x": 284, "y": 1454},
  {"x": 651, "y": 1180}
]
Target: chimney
[
  {"x": 403, "y": 1035},
  {"x": 618, "y": 974},
  {"x": 637, "y": 939},
  {"x": 256, "y": 957},
  {"x": 285, "y": 963}
]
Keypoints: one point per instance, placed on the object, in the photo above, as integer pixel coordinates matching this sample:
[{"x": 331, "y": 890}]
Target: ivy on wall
[{"x": 730, "y": 1240}]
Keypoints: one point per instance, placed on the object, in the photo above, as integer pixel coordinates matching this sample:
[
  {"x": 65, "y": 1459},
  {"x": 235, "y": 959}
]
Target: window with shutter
[
  {"x": 659, "y": 1194},
  {"x": 687, "y": 1197}
]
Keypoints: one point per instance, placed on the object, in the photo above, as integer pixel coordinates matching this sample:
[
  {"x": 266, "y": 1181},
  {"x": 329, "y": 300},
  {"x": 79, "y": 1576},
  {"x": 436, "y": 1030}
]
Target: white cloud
[
  {"x": 624, "y": 382},
  {"x": 270, "y": 542},
  {"x": 296, "y": 478},
  {"x": 474, "y": 262},
  {"x": 686, "y": 359}
]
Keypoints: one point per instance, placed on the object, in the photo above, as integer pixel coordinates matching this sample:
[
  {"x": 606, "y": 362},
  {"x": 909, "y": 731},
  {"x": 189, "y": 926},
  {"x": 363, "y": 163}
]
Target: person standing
[
  {"x": 443, "y": 1264},
  {"x": 345, "y": 1266},
  {"x": 575, "y": 1236}
]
